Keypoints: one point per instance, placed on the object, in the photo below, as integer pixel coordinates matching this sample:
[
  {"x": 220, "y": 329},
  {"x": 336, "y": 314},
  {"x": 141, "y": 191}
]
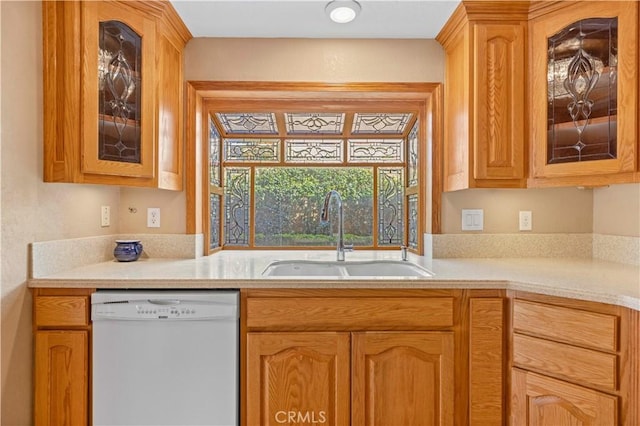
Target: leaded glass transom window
[
  {"x": 376, "y": 150},
  {"x": 314, "y": 150},
  {"x": 119, "y": 77},
  {"x": 251, "y": 150},
  {"x": 320, "y": 123},
  {"x": 380, "y": 123},
  {"x": 582, "y": 91},
  {"x": 248, "y": 123}
]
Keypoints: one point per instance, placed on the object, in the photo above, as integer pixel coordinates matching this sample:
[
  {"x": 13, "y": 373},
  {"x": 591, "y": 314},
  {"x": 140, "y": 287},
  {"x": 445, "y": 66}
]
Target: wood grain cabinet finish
[
  {"x": 484, "y": 112},
  {"x": 547, "y": 19},
  {"x": 395, "y": 357},
  {"x": 574, "y": 362},
  {"x": 539, "y": 401},
  {"x": 62, "y": 378},
  {"x": 298, "y": 378},
  {"x": 62, "y": 336},
  {"x": 402, "y": 378},
  {"x": 71, "y": 94}
]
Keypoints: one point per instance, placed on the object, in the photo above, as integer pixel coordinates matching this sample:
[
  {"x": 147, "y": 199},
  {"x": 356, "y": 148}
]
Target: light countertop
[{"x": 584, "y": 279}]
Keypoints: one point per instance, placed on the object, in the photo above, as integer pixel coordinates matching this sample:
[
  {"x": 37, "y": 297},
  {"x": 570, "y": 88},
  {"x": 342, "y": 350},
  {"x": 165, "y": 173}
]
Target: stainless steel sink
[{"x": 360, "y": 269}]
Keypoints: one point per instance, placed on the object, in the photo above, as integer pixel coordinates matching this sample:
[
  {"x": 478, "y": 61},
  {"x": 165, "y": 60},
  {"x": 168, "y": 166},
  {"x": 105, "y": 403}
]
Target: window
[{"x": 270, "y": 170}]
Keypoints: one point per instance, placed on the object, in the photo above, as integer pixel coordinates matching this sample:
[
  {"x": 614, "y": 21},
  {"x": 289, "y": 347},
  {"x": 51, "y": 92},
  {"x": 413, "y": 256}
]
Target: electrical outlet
[
  {"x": 105, "y": 216},
  {"x": 525, "y": 221},
  {"x": 472, "y": 219},
  {"x": 153, "y": 217}
]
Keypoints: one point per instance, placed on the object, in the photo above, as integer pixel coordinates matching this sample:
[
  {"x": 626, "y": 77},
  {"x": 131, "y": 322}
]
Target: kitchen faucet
[{"x": 324, "y": 218}]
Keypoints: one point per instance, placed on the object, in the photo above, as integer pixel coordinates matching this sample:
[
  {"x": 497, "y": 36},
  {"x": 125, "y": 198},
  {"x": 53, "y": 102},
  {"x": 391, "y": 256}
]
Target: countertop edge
[{"x": 600, "y": 297}]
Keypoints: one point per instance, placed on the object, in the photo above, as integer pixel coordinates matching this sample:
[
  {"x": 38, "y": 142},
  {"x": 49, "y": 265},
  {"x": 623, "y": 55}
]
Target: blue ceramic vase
[{"x": 127, "y": 250}]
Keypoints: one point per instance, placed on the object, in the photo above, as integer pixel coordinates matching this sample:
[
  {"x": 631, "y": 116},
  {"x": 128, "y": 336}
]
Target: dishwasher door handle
[{"x": 164, "y": 301}]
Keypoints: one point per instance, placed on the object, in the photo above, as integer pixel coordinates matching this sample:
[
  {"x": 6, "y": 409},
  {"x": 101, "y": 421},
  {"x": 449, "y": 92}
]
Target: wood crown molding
[{"x": 482, "y": 11}]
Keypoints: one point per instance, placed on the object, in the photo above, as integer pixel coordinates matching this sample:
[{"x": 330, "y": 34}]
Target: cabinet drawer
[
  {"x": 363, "y": 313},
  {"x": 61, "y": 311},
  {"x": 581, "y": 365},
  {"x": 577, "y": 327}
]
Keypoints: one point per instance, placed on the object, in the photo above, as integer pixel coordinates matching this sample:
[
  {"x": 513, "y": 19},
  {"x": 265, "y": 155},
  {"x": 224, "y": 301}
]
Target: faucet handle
[
  {"x": 348, "y": 247},
  {"x": 403, "y": 252}
]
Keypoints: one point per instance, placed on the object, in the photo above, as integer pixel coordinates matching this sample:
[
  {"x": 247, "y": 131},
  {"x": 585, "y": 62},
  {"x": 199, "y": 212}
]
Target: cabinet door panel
[
  {"x": 121, "y": 122},
  {"x": 499, "y": 104},
  {"x": 297, "y": 378},
  {"x": 61, "y": 377},
  {"x": 402, "y": 378},
  {"x": 625, "y": 115},
  {"x": 539, "y": 401}
]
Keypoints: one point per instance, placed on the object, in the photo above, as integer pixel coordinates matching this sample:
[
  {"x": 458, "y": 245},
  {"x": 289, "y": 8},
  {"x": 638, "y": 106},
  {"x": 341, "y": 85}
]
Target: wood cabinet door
[
  {"x": 121, "y": 79},
  {"x": 61, "y": 378},
  {"x": 539, "y": 400},
  {"x": 499, "y": 55},
  {"x": 622, "y": 149},
  {"x": 298, "y": 378},
  {"x": 402, "y": 378}
]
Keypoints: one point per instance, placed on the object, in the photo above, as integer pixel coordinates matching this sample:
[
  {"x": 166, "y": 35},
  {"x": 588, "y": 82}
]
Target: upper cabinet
[
  {"x": 583, "y": 93},
  {"x": 113, "y": 93},
  {"x": 484, "y": 96}
]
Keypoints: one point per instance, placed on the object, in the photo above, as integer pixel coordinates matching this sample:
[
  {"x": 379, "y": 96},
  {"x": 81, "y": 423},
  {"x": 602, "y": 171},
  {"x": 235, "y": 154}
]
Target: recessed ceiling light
[{"x": 342, "y": 11}]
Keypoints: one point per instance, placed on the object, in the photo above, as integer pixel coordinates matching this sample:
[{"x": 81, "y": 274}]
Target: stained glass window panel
[
  {"x": 214, "y": 154},
  {"x": 412, "y": 160},
  {"x": 248, "y": 123},
  {"x": 237, "y": 206},
  {"x": 288, "y": 202},
  {"x": 314, "y": 123},
  {"x": 386, "y": 123},
  {"x": 376, "y": 150},
  {"x": 119, "y": 77},
  {"x": 390, "y": 206},
  {"x": 214, "y": 221},
  {"x": 241, "y": 150},
  {"x": 413, "y": 221},
  {"x": 313, "y": 151},
  {"x": 582, "y": 91}
]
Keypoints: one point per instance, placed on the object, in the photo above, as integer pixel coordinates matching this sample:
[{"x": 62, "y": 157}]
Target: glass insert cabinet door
[
  {"x": 585, "y": 71},
  {"x": 118, "y": 78}
]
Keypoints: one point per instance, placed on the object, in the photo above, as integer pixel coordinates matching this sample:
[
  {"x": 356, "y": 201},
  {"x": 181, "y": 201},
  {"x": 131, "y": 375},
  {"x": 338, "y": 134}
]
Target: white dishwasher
[{"x": 165, "y": 358}]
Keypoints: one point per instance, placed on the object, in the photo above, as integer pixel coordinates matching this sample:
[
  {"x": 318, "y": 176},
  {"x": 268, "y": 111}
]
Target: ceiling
[{"x": 418, "y": 19}]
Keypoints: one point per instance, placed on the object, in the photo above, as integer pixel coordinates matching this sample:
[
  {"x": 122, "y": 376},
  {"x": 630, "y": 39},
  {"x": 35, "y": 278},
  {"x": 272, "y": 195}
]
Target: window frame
[{"x": 425, "y": 98}]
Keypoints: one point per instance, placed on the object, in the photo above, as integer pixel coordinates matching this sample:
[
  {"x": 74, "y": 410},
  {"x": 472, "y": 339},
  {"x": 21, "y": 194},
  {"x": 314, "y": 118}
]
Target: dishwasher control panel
[{"x": 163, "y": 307}]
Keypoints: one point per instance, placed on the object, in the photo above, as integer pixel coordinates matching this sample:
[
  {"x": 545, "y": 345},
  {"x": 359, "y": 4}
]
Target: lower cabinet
[
  {"x": 573, "y": 362},
  {"x": 62, "y": 380},
  {"x": 540, "y": 400},
  {"x": 62, "y": 336},
  {"x": 340, "y": 378}
]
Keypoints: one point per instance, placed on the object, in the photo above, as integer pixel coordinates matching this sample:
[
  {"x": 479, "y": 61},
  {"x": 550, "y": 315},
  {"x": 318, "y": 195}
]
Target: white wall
[{"x": 31, "y": 210}]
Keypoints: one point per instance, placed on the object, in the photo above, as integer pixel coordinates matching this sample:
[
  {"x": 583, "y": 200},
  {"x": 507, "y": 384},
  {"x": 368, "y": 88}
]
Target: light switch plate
[{"x": 472, "y": 219}]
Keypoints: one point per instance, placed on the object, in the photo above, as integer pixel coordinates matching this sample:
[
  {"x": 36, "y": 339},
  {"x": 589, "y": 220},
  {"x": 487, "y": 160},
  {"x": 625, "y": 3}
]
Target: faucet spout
[{"x": 324, "y": 217}]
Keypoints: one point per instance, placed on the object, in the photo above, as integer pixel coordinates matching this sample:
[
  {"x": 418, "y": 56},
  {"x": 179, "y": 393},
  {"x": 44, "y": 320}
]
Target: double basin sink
[{"x": 346, "y": 269}]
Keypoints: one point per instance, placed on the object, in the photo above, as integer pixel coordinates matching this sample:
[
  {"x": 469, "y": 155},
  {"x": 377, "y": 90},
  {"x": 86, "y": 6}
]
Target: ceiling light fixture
[{"x": 342, "y": 11}]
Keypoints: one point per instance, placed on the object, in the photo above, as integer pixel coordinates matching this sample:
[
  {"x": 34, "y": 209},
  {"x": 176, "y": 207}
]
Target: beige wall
[
  {"x": 554, "y": 210},
  {"x": 133, "y": 211},
  {"x": 32, "y": 210},
  {"x": 616, "y": 210},
  {"x": 326, "y": 60}
]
